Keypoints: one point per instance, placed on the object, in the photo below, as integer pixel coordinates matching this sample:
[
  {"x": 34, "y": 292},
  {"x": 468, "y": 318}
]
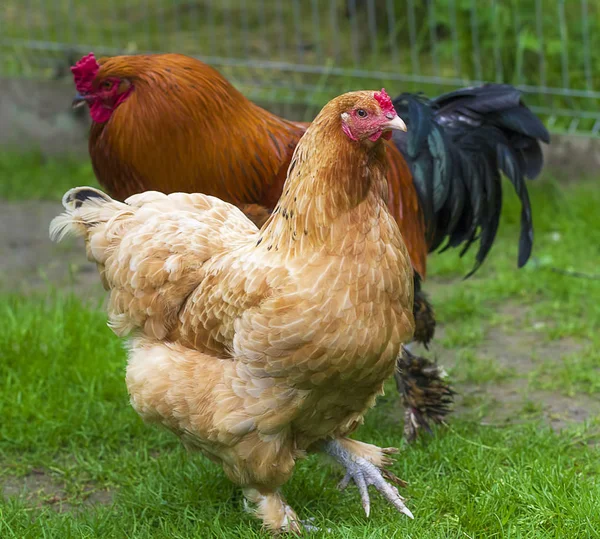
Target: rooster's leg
[
  {"x": 273, "y": 510},
  {"x": 426, "y": 397},
  {"x": 365, "y": 465}
]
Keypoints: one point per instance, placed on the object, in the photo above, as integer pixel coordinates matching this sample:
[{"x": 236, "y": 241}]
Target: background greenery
[{"x": 407, "y": 45}]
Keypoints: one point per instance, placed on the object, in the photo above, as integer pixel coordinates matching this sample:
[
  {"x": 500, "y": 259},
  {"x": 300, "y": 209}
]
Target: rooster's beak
[
  {"x": 79, "y": 100},
  {"x": 395, "y": 123}
]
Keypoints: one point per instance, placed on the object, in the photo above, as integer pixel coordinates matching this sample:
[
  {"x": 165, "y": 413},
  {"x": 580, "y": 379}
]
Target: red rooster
[{"x": 171, "y": 123}]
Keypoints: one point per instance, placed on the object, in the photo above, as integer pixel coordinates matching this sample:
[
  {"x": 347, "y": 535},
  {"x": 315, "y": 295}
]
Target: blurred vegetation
[
  {"x": 35, "y": 176},
  {"x": 410, "y": 45}
]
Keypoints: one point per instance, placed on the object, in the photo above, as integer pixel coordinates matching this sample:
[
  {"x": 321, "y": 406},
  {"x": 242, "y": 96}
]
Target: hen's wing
[
  {"x": 154, "y": 250},
  {"x": 457, "y": 145}
]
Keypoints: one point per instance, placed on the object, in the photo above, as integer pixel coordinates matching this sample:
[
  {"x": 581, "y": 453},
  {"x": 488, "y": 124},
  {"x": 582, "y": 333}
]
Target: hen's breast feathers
[{"x": 188, "y": 268}]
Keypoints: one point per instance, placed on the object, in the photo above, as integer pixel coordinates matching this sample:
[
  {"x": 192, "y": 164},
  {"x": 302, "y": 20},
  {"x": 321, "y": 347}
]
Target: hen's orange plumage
[{"x": 256, "y": 346}]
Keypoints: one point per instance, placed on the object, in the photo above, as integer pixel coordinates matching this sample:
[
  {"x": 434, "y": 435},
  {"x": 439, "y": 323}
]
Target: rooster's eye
[
  {"x": 361, "y": 113},
  {"x": 106, "y": 85}
]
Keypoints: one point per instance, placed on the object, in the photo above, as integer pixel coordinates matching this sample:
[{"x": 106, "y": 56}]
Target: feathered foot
[
  {"x": 425, "y": 395},
  {"x": 277, "y": 516},
  {"x": 365, "y": 465}
]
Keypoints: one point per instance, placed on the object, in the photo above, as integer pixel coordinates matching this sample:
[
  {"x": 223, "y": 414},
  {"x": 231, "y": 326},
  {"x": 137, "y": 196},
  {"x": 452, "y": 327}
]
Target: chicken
[
  {"x": 257, "y": 346},
  {"x": 171, "y": 123}
]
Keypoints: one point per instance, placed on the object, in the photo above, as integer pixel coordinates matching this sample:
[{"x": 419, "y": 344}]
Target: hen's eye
[
  {"x": 361, "y": 113},
  {"x": 106, "y": 85}
]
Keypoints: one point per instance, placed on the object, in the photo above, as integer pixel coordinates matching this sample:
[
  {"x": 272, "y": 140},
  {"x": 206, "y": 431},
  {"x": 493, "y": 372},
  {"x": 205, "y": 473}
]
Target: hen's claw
[{"x": 365, "y": 473}]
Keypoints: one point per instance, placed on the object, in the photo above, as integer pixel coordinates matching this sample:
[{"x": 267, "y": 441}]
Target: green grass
[
  {"x": 473, "y": 368},
  {"x": 578, "y": 372},
  {"x": 33, "y": 176},
  {"x": 64, "y": 408}
]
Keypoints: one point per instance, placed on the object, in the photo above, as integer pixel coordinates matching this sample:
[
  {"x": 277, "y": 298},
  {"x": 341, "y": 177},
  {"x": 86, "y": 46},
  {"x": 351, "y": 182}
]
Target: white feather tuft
[
  {"x": 85, "y": 207},
  {"x": 62, "y": 226}
]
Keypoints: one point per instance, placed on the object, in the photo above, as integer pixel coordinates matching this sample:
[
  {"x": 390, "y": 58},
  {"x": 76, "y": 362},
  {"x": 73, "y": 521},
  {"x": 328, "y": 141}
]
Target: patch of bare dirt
[
  {"x": 39, "y": 488},
  {"x": 30, "y": 262},
  {"x": 516, "y": 348}
]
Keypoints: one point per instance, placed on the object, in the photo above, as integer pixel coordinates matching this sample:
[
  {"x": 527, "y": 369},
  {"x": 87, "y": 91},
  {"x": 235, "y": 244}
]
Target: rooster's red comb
[
  {"x": 384, "y": 102},
  {"x": 84, "y": 72}
]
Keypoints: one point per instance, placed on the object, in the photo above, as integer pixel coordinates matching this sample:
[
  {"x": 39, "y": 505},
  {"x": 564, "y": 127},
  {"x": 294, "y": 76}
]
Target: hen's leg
[
  {"x": 365, "y": 464},
  {"x": 426, "y": 397},
  {"x": 273, "y": 510},
  {"x": 169, "y": 383}
]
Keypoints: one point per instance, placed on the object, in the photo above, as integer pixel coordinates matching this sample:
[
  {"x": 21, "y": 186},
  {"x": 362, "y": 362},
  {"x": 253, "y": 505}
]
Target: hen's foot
[
  {"x": 426, "y": 397},
  {"x": 364, "y": 472},
  {"x": 276, "y": 515}
]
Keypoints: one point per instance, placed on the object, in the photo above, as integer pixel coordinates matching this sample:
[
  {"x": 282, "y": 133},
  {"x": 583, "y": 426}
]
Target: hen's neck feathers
[{"x": 333, "y": 184}]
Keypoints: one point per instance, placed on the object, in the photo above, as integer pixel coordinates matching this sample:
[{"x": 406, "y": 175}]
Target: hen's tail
[
  {"x": 150, "y": 249},
  {"x": 86, "y": 208},
  {"x": 87, "y": 212},
  {"x": 108, "y": 226},
  {"x": 457, "y": 146}
]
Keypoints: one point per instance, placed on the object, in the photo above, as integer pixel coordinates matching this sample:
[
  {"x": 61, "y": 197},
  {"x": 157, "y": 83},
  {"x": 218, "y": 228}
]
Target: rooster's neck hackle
[{"x": 194, "y": 121}]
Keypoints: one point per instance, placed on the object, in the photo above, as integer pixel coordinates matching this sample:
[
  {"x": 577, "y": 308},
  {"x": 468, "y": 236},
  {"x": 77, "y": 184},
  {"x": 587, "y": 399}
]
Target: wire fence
[{"x": 311, "y": 50}]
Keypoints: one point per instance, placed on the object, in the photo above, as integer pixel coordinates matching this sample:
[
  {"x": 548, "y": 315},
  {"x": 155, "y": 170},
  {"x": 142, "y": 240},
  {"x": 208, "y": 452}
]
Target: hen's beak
[
  {"x": 396, "y": 123},
  {"x": 79, "y": 100}
]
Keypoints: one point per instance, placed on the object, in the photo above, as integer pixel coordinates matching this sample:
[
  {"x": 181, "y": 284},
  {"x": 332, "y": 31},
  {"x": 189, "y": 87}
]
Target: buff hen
[{"x": 258, "y": 346}]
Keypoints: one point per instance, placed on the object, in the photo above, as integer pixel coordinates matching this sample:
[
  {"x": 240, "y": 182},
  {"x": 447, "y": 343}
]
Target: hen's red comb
[
  {"x": 84, "y": 72},
  {"x": 385, "y": 102}
]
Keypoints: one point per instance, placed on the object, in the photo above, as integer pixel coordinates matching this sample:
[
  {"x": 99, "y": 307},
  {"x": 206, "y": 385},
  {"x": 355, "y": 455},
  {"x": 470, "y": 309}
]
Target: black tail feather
[
  {"x": 74, "y": 198},
  {"x": 457, "y": 145}
]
